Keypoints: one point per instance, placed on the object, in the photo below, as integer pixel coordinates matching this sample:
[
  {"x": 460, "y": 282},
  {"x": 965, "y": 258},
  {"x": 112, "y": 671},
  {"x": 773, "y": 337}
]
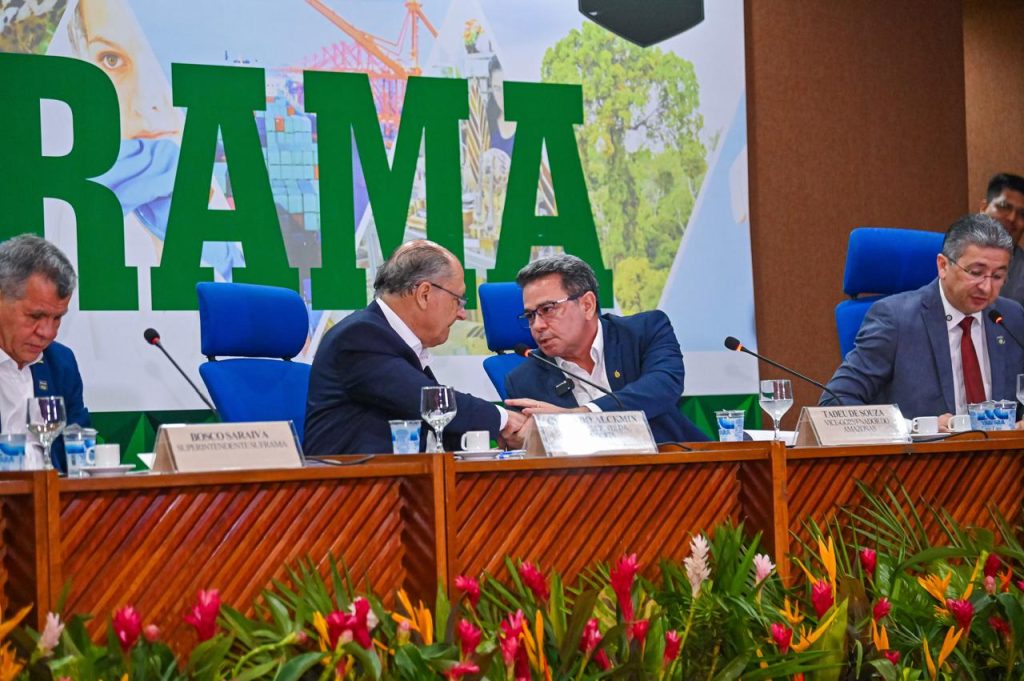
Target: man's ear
[
  {"x": 588, "y": 301},
  {"x": 421, "y": 294}
]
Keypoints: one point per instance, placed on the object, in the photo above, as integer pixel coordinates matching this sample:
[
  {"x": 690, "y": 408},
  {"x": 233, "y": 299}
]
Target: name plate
[
  {"x": 853, "y": 425},
  {"x": 585, "y": 434},
  {"x": 208, "y": 447}
]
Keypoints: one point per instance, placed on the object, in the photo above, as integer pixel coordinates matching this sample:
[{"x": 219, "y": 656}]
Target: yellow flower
[
  {"x": 974, "y": 575},
  {"x": 420, "y": 620},
  {"x": 879, "y": 637},
  {"x": 320, "y": 624},
  {"x": 935, "y": 586},
  {"x": 828, "y": 559},
  {"x": 7, "y": 626},
  {"x": 807, "y": 640},
  {"x": 10, "y": 666},
  {"x": 932, "y": 672},
  {"x": 791, "y": 613},
  {"x": 948, "y": 644}
]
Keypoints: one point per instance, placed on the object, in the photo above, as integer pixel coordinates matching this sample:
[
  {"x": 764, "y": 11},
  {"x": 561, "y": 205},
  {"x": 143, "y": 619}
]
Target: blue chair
[
  {"x": 881, "y": 261},
  {"x": 501, "y": 304},
  {"x": 250, "y": 324}
]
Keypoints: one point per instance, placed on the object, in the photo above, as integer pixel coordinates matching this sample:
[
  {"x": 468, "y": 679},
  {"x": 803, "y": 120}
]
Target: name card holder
[
  {"x": 586, "y": 434},
  {"x": 854, "y": 425},
  {"x": 206, "y": 447}
]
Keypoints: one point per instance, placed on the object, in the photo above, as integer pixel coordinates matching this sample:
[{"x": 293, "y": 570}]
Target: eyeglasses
[
  {"x": 1004, "y": 207},
  {"x": 546, "y": 310},
  {"x": 977, "y": 275},
  {"x": 456, "y": 296}
]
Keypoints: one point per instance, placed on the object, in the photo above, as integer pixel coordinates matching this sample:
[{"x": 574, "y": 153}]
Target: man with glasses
[
  {"x": 1004, "y": 201},
  {"x": 372, "y": 365},
  {"x": 637, "y": 357},
  {"x": 933, "y": 351}
]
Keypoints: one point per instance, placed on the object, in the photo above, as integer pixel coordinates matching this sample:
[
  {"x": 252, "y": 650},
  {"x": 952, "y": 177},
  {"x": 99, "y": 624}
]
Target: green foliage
[{"x": 641, "y": 150}]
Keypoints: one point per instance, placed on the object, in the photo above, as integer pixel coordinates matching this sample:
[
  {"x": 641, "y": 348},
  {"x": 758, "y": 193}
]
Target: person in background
[
  {"x": 36, "y": 282},
  {"x": 933, "y": 351},
  {"x": 637, "y": 357},
  {"x": 371, "y": 366},
  {"x": 1004, "y": 201}
]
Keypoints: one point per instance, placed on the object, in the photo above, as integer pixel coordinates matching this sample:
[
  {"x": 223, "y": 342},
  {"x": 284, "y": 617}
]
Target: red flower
[
  {"x": 460, "y": 670},
  {"x": 1020, "y": 584},
  {"x": 892, "y": 655},
  {"x": 962, "y": 611},
  {"x": 470, "y": 587},
  {"x": 999, "y": 625},
  {"x": 821, "y": 597},
  {"x": 637, "y": 631},
  {"x": 783, "y": 636},
  {"x": 535, "y": 581},
  {"x": 601, "y": 658},
  {"x": 351, "y": 626},
  {"x": 992, "y": 565},
  {"x": 337, "y": 626},
  {"x": 512, "y": 629},
  {"x": 672, "y": 643},
  {"x": 204, "y": 614},
  {"x": 151, "y": 633},
  {"x": 127, "y": 623},
  {"x": 881, "y": 609},
  {"x": 868, "y": 560},
  {"x": 621, "y": 577},
  {"x": 469, "y": 637},
  {"x": 591, "y": 636}
]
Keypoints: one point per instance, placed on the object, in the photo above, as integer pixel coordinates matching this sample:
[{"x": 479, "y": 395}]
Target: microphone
[
  {"x": 152, "y": 337},
  {"x": 734, "y": 344},
  {"x": 523, "y": 351},
  {"x": 997, "y": 318}
]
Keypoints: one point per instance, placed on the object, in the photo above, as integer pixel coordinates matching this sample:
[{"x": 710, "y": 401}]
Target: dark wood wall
[{"x": 856, "y": 117}]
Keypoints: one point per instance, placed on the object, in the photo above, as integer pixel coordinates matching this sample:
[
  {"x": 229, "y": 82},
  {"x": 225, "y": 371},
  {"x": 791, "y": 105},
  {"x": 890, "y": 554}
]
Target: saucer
[
  {"x": 479, "y": 453},
  {"x": 101, "y": 471},
  {"x": 927, "y": 437}
]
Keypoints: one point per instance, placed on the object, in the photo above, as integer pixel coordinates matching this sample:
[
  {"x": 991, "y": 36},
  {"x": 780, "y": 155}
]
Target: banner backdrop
[{"x": 296, "y": 143}]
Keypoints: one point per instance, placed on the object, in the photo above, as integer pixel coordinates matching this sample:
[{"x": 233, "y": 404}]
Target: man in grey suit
[{"x": 912, "y": 348}]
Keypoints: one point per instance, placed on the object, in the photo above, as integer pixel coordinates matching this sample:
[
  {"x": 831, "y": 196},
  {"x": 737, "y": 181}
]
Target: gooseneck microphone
[
  {"x": 734, "y": 344},
  {"x": 997, "y": 318},
  {"x": 523, "y": 351},
  {"x": 152, "y": 337}
]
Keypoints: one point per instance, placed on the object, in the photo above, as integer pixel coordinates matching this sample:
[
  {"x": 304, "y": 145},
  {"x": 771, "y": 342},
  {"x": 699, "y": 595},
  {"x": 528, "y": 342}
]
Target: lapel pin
[
  {"x": 1000, "y": 340},
  {"x": 43, "y": 385},
  {"x": 617, "y": 374}
]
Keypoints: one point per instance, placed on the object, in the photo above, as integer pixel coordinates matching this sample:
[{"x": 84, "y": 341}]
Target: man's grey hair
[
  {"x": 975, "y": 229},
  {"x": 27, "y": 254},
  {"x": 577, "y": 276},
  {"x": 412, "y": 263}
]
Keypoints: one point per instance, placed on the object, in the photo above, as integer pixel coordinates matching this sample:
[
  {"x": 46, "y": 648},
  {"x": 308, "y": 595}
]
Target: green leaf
[
  {"x": 256, "y": 672},
  {"x": 366, "y": 659},
  {"x": 442, "y": 609},
  {"x": 733, "y": 669},
  {"x": 293, "y": 669}
]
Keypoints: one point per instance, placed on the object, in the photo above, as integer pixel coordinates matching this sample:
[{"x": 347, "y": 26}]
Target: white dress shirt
[
  {"x": 586, "y": 394},
  {"x": 15, "y": 391},
  {"x": 955, "y": 335},
  {"x": 413, "y": 341}
]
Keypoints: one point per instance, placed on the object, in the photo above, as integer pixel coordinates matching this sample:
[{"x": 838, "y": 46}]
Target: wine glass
[
  {"x": 776, "y": 399},
  {"x": 437, "y": 406},
  {"x": 1020, "y": 388},
  {"x": 46, "y": 418}
]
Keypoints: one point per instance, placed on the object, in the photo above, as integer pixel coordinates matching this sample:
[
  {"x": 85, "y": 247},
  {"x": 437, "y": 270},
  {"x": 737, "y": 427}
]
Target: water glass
[
  {"x": 405, "y": 436},
  {"x": 730, "y": 425},
  {"x": 89, "y": 440},
  {"x": 12, "y": 451},
  {"x": 982, "y": 415},
  {"x": 1006, "y": 414},
  {"x": 438, "y": 408},
  {"x": 776, "y": 399},
  {"x": 74, "y": 447},
  {"x": 45, "y": 419}
]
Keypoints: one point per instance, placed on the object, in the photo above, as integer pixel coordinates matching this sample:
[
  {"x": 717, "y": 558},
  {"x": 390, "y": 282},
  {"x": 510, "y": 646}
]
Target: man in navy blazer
[
  {"x": 371, "y": 366},
  {"x": 36, "y": 282},
  {"x": 912, "y": 349},
  {"x": 636, "y": 357}
]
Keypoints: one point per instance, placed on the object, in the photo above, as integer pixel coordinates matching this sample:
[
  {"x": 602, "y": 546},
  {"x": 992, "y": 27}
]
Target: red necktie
[{"x": 973, "y": 384}]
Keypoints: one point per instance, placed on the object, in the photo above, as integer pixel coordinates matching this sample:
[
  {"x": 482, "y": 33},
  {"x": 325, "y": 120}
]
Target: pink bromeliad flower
[
  {"x": 535, "y": 581},
  {"x": 621, "y": 577},
  {"x": 127, "y": 623},
  {"x": 672, "y": 642},
  {"x": 469, "y": 637},
  {"x": 821, "y": 597},
  {"x": 203, "y": 615},
  {"x": 470, "y": 587}
]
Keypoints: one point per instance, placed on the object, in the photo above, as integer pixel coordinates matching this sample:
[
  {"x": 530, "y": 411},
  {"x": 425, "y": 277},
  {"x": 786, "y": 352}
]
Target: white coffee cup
[
  {"x": 925, "y": 425},
  {"x": 476, "y": 441},
  {"x": 108, "y": 455},
  {"x": 960, "y": 423}
]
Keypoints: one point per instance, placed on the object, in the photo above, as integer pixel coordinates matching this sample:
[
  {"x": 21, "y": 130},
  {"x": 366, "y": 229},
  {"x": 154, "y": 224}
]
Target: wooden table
[{"x": 418, "y": 521}]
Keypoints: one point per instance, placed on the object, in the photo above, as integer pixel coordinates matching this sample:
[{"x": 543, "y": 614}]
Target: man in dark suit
[
  {"x": 371, "y": 366},
  {"x": 1004, "y": 201},
  {"x": 637, "y": 357},
  {"x": 933, "y": 351},
  {"x": 36, "y": 282}
]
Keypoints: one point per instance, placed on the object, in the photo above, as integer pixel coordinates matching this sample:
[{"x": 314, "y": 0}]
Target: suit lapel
[
  {"x": 42, "y": 379},
  {"x": 399, "y": 344},
  {"x": 934, "y": 318},
  {"x": 995, "y": 342},
  {"x": 614, "y": 357}
]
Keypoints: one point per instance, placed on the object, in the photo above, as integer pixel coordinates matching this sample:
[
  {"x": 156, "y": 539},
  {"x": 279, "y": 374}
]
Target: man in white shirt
[
  {"x": 36, "y": 282},
  {"x": 372, "y": 365},
  {"x": 1004, "y": 201},
  {"x": 935, "y": 350}
]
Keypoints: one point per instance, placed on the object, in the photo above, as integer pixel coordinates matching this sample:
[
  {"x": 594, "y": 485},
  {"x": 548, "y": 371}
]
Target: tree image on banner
[{"x": 641, "y": 149}]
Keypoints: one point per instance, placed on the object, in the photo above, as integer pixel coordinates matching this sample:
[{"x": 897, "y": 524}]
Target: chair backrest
[
  {"x": 500, "y": 304},
  {"x": 252, "y": 324},
  {"x": 881, "y": 261}
]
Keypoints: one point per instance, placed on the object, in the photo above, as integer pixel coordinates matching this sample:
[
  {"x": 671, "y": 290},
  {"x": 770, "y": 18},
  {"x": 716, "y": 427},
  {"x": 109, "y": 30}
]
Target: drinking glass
[
  {"x": 1020, "y": 388},
  {"x": 776, "y": 399},
  {"x": 437, "y": 406},
  {"x": 46, "y": 419}
]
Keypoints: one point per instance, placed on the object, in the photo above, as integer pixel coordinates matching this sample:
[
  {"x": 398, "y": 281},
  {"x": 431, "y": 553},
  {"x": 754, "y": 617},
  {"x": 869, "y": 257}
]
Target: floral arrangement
[
  {"x": 471, "y": 32},
  {"x": 873, "y": 599}
]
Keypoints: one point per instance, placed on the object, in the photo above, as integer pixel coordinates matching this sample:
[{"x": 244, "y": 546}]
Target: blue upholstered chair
[
  {"x": 501, "y": 304},
  {"x": 881, "y": 261},
  {"x": 251, "y": 324}
]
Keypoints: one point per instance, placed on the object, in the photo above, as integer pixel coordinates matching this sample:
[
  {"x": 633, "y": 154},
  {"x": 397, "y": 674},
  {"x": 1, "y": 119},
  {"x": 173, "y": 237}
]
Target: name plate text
[
  {"x": 226, "y": 446},
  {"x": 853, "y": 425},
  {"x": 585, "y": 434}
]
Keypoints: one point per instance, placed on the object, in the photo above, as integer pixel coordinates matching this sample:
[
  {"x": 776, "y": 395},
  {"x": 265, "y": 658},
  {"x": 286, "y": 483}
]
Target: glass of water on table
[{"x": 776, "y": 399}]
